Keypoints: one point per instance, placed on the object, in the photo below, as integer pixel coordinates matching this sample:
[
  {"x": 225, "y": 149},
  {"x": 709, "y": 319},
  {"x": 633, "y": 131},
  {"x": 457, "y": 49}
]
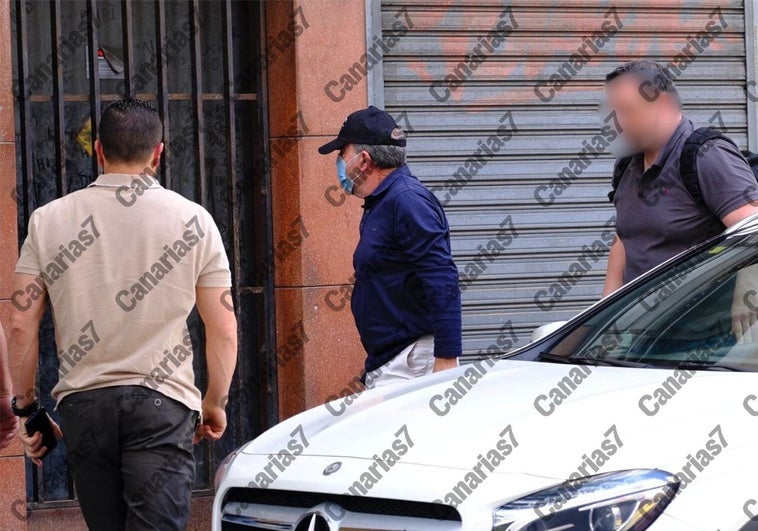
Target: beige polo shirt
[{"x": 120, "y": 260}]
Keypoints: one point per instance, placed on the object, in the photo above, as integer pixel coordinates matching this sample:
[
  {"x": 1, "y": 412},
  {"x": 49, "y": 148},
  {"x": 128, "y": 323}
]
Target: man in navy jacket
[{"x": 406, "y": 300}]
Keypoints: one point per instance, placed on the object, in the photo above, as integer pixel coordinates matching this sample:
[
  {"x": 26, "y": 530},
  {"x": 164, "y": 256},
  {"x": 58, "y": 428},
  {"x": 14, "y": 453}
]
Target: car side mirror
[{"x": 545, "y": 329}]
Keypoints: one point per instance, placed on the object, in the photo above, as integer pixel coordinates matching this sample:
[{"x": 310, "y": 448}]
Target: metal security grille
[
  {"x": 502, "y": 103},
  {"x": 200, "y": 63}
]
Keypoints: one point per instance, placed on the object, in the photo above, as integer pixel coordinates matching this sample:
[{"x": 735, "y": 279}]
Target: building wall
[
  {"x": 315, "y": 229},
  {"x": 12, "y": 484},
  {"x": 318, "y": 346}
]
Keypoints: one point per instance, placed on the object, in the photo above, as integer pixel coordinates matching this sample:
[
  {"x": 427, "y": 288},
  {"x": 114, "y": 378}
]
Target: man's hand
[
  {"x": 33, "y": 443},
  {"x": 743, "y": 319},
  {"x": 744, "y": 299},
  {"x": 745, "y": 305},
  {"x": 214, "y": 422},
  {"x": 440, "y": 364},
  {"x": 8, "y": 422}
]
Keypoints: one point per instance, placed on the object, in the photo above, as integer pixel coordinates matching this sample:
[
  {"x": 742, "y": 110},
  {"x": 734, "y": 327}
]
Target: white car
[{"x": 639, "y": 413}]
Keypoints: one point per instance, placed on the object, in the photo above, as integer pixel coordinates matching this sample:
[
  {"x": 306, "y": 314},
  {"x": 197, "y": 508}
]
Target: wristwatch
[{"x": 24, "y": 411}]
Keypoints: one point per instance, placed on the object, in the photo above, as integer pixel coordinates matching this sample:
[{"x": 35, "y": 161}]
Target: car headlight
[
  {"x": 223, "y": 468},
  {"x": 629, "y": 500}
]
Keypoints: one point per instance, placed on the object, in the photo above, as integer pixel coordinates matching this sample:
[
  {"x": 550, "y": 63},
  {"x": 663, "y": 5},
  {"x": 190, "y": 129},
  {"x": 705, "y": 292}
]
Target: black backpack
[{"x": 688, "y": 161}]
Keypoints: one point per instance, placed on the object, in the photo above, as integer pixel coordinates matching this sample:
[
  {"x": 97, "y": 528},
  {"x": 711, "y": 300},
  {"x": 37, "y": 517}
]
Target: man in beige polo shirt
[{"x": 123, "y": 263}]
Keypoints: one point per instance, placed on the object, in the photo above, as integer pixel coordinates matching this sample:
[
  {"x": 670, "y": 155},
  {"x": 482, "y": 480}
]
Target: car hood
[{"x": 559, "y": 419}]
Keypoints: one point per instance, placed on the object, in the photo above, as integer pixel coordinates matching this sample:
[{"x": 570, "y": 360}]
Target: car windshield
[{"x": 699, "y": 314}]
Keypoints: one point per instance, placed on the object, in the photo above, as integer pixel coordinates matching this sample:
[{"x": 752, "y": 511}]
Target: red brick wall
[
  {"x": 305, "y": 273},
  {"x": 332, "y": 355},
  {"x": 12, "y": 484}
]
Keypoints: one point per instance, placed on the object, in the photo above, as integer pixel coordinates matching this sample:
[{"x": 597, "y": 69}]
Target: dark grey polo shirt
[{"x": 656, "y": 217}]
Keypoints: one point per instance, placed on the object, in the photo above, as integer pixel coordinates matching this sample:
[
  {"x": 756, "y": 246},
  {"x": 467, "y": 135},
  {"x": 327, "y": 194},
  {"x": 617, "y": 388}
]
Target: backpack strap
[
  {"x": 618, "y": 171},
  {"x": 752, "y": 160},
  {"x": 690, "y": 152}
]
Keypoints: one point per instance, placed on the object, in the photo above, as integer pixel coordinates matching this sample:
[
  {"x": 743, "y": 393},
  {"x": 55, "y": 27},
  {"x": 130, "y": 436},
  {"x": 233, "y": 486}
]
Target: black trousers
[{"x": 131, "y": 455}]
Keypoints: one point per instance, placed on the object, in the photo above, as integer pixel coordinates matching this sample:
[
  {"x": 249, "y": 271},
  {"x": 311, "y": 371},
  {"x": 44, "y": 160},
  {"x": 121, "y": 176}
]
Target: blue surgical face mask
[{"x": 345, "y": 183}]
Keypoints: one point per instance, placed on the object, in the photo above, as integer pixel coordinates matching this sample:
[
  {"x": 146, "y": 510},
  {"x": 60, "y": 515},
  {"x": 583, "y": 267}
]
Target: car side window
[{"x": 684, "y": 315}]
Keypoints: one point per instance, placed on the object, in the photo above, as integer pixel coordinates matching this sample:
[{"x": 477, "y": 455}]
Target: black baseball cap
[{"x": 371, "y": 126}]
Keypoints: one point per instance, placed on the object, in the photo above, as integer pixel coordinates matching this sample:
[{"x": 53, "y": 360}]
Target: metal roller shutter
[{"x": 451, "y": 124}]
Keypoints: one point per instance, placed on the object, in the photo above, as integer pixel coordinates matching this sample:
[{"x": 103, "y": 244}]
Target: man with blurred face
[
  {"x": 406, "y": 300},
  {"x": 656, "y": 215}
]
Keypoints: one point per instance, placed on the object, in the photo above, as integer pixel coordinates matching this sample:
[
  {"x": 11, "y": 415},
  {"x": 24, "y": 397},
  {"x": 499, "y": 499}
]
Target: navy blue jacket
[{"x": 406, "y": 283}]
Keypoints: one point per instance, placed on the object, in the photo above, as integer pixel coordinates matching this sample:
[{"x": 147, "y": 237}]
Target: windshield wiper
[
  {"x": 555, "y": 358},
  {"x": 700, "y": 366}
]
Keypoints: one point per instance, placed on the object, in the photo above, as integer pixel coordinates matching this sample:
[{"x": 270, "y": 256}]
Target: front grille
[
  {"x": 229, "y": 526},
  {"x": 385, "y": 507}
]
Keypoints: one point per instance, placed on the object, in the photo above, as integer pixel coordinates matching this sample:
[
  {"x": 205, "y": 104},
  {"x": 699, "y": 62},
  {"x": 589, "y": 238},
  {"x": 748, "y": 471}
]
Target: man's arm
[
  {"x": 23, "y": 347},
  {"x": 614, "y": 276},
  {"x": 8, "y": 421},
  {"x": 221, "y": 356},
  {"x": 744, "y": 315},
  {"x": 728, "y": 187},
  {"x": 23, "y": 341},
  {"x": 421, "y": 231},
  {"x": 739, "y": 214}
]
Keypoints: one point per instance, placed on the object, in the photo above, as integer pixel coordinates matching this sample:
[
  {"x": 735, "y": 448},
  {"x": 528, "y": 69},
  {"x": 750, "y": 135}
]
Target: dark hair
[
  {"x": 653, "y": 78},
  {"x": 129, "y": 130}
]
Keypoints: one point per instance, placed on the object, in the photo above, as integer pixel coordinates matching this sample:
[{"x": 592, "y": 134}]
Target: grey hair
[{"x": 383, "y": 156}]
